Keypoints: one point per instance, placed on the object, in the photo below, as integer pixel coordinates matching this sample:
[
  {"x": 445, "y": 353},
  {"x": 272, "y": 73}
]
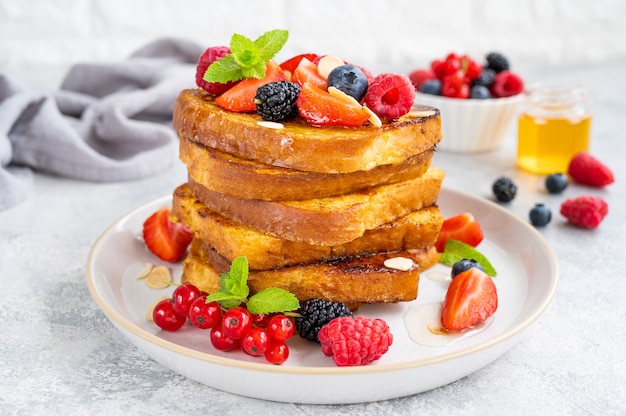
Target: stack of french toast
[{"x": 344, "y": 214}]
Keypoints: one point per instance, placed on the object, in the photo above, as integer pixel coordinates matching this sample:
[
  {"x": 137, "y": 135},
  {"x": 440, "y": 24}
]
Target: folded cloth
[{"x": 107, "y": 122}]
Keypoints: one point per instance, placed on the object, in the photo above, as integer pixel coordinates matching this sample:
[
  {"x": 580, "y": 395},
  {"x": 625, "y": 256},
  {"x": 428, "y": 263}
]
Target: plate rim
[{"x": 508, "y": 334}]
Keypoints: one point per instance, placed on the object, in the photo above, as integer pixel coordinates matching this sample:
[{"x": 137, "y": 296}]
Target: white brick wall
[{"x": 40, "y": 38}]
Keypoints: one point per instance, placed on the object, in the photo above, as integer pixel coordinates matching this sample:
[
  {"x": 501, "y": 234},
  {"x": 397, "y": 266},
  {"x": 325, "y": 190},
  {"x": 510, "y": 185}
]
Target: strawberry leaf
[
  {"x": 272, "y": 300},
  {"x": 455, "y": 250}
]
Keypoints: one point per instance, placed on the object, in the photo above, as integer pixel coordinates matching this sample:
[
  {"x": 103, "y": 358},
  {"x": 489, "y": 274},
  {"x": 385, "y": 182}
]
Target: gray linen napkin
[{"x": 107, "y": 122}]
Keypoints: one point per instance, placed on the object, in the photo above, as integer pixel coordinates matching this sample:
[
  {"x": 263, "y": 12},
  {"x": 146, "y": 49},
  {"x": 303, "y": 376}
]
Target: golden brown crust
[
  {"x": 300, "y": 146},
  {"x": 349, "y": 280},
  {"x": 328, "y": 221},
  {"x": 230, "y": 239},
  {"x": 245, "y": 179}
]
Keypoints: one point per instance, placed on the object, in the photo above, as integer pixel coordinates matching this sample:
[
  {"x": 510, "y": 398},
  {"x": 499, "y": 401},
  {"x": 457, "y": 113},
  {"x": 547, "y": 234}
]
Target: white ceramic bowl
[{"x": 473, "y": 125}]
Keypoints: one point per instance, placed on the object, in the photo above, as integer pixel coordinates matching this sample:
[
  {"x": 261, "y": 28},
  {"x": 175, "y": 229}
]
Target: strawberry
[
  {"x": 240, "y": 98},
  {"x": 586, "y": 211},
  {"x": 587, "y": 170},
  {"x": 471, "y": 298},
  {"x": 463, "y": 227},
  {"x": 319, "y": 108},
  {"x": 291, "y": 64},
  {"x": 166, "y": 239},
  {"x": 306, "y": 71}
]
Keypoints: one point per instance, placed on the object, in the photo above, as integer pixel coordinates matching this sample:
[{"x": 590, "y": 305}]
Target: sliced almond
[
  {"x": 421, "y": 113},
  {"x": 147, "y": 268},
  {"x": 270, "y": 124},
  {"x": 374, "y": 119},
  {"x": 159, "y": 278},
  {"x": 326, "y": 65},
  {"x": 337, "y": 93},
  {"x": 399, "y": 263},
  {"x": 151, "y": 308}
]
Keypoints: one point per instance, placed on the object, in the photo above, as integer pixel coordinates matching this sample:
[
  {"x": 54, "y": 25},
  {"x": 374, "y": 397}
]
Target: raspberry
[
  {"x": 506, "y": 84},
  {"x": 419, "y": 76},
  {"x": 587, "y": 170},
  {"x": 209, "y": 56},
  {"x": 585, "y": 211},
  {"x": 390, "y": 95},
  {"x": 355, "y": 341}
]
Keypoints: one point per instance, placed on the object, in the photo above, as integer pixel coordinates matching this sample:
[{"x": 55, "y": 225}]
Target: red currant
[
  {"x": 280, "y": 328},
  {"x": 236, "y": 322},
  {"x": 261, "y": 319},
  {"x": 183, "y": 296},
  {"x": 277, "y": 353},
  {"x": 204, "y": 315},
  {"x": 255, "y": 341},
  {"x": 221, "y": 341},
  {"x": 166, "y": 318}
]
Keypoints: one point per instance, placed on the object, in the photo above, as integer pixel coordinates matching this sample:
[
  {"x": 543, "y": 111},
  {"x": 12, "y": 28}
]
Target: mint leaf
[
  {"x": 247, "y": 58},
  {"x": 270, "y": 43},
  {"x": 224, "y": 70},
  {"x": 272, "y": 300},
  {"x": 455, "y": 250},
  {"x": 226, "y": 300},
  {"x": 235, "y": 281}
]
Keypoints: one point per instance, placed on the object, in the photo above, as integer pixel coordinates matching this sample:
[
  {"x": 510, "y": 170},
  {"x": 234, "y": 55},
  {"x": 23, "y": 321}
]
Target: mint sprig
[
  {"x": 455, "y": 250},
  {"x": 247, "y": 58},
  {"x": 234, "y": 290}
]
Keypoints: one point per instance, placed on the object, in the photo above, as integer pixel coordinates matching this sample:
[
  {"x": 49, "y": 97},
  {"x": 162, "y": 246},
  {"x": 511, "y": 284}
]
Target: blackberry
[
  {"x": 504, "y": 189},
  {"x": 540, "y": 215},
  {"x": 497, "y": 62},
  {"x": 315, "y": 313},
  {"x": 276, "y": 101},
  {"x": 464, "y": 265},
  {"x": 485, "y": 78},
  {"x": 556, "y": 183}
]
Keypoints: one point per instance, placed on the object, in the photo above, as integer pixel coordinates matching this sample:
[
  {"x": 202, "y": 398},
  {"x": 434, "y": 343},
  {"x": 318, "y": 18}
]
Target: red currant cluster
[
  {"x": 460, "y": 76},
  {"x": 256, "y": 334}
]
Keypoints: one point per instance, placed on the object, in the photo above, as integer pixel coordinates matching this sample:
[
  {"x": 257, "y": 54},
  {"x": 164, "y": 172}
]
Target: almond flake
[
  {"x": 421, "y": 113},
  {"x": 147, "y": 268},
  {"x": 270, "y": 124},
  {"x": 374, "y": 119},
  {"x": 151, "y": 308},
  {"x": 337, "y": 93},
  {"x": 326, "y": 65},
  {"x": 159, "y": 278},
  {"x": 399, "y": 263}
]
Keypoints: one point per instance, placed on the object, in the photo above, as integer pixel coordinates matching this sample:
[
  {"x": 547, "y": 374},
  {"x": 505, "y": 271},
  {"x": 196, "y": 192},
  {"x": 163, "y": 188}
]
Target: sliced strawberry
[
  {"x": 471, "y": 298},
  {"x": 306, "y": 71},
  {"x": 240, "y": 98},
  {"x": 291, "y": 64},
  {"x": 319, "y": 108},
  {"x": 166, "y": 239},
  {"x": 463, "y": 227}
]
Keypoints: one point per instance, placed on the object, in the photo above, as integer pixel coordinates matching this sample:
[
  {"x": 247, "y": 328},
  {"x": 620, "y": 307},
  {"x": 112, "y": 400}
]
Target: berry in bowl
[{"x": 478, "y": 101}]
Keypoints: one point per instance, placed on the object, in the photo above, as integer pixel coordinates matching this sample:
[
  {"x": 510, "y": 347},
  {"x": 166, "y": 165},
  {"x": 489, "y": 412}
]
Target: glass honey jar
[{"x": 554, "y": 125}]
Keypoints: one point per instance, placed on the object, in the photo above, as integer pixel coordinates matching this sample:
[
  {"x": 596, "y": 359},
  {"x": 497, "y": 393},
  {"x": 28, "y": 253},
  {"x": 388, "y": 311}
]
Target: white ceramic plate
[{"x": 526, "y": 283}]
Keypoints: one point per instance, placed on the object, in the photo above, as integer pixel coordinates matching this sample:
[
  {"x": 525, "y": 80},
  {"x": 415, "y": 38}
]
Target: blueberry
[
  {"x": 480, "y": 92},
  {"x": 504, "y": 189},
  {"x": 432, "y": 87},
  {"x": 556, "y": 183},
  {"x": 350, "y": 80},
  {"x": 464, "y": 265},
  {"x": 540, "y": 215}
]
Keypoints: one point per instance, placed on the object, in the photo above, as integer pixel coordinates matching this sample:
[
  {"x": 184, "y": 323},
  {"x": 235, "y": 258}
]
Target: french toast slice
[
  {"x": 230, "y": 239},
  {"x": 299, "y": 146},
  {"x": 351, "y": 280},
  {"x": 246, "y": 179},
  {"x": 328, "y": 221}
]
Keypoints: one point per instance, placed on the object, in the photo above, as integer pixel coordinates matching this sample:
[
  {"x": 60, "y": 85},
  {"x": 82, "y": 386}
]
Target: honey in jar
[{"x": 555, "y": 124}]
